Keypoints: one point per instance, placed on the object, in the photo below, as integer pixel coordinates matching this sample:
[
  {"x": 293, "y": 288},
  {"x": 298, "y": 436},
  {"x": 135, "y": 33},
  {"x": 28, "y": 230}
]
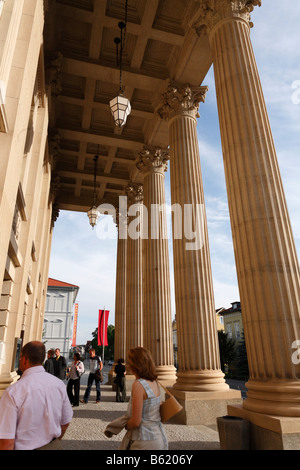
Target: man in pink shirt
[{"x": 35, "y": 411}]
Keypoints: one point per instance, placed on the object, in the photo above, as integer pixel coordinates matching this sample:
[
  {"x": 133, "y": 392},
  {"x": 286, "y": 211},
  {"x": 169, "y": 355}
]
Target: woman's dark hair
[
  {"x": 141, "y": 363},
  {"x": 77, "y": 355},
  {"x": 120, "y": 361}
]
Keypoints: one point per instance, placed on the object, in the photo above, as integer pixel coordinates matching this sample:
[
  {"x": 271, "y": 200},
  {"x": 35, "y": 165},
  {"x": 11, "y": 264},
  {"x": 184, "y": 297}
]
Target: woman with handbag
[
  {"x": 144, "y": 427},
  {"x": 75, "y": 372}
]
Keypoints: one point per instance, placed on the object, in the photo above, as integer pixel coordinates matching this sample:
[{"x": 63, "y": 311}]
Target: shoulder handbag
[
  {"x": 170, "y": 407},
  {"x": 79, "y": 374},
  {"x": 99, "y": 375}
]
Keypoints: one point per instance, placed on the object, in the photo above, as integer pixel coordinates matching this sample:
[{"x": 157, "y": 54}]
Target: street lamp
[
  {"x": 120, "y": 105},
  {"x": 93, "y": 213},
  {"x": 120, "y": 109}
]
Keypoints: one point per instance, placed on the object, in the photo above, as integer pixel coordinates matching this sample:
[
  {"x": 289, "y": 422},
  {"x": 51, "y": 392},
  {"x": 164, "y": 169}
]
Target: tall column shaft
[
  {"x": 134, "y": 270},
  {"x": 266, "y": 259},
  {"x": 120, "y": 302},
  {"x": 198, "y": 349},
  {"x": 157, "y": 315}
]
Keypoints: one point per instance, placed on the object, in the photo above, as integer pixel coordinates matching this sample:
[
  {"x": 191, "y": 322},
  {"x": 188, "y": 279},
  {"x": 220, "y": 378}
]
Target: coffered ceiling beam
[
  {"x": 100, "y": 139},
  {"x": 102, "y": 106},
  {"x": 112, "y": 23},
  {"x": 90, "y": 177},
  {"x": 108, "y": 74}
]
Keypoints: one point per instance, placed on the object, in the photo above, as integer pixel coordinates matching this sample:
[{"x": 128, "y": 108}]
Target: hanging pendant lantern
[
  {"x": 94, "y": 214},
  {"x": 120, "y": 108}
]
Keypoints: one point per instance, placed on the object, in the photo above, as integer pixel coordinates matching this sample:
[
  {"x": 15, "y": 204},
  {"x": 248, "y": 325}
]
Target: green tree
[
  {"x": 227, "y": 349},
  {"x": 242, "y": 360},
  {"x": 108, "y": 350}
]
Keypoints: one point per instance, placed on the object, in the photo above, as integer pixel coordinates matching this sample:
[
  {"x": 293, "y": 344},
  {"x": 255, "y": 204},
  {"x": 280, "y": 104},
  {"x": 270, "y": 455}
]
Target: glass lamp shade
[
  {"x": 93, "y": 215},
  {"x": 120, "y": 109}
]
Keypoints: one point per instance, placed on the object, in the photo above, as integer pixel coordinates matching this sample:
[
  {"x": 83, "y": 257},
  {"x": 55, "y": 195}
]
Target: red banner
[
  {"x": 75, "y": 326},
  {"x": 102, "y": 327}
]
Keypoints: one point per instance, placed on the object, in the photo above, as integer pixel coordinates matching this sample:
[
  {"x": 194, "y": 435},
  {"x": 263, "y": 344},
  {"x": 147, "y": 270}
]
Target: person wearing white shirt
[
  {"x": 35, "y": 412},
  {"x": 95, "y": 364},
  {"x": 76, "y": 371}
]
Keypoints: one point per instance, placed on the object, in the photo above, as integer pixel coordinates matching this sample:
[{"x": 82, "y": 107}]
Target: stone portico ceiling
[{"x": 80, "y": 63}]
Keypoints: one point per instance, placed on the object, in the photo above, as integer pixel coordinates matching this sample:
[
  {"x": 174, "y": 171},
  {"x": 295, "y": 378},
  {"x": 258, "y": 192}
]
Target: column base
[
  {"x": 269, "y": 432},
  {"x": 203, "y": 407},
  {"x": 201, "y": 381},
  {"x": 111, "y": 376},
  {"x": 166, "y": 375},
  {"x": 130, "y": 378},
  {"x": 7, "y": 380},
  {"x": 273, "y": 397}
]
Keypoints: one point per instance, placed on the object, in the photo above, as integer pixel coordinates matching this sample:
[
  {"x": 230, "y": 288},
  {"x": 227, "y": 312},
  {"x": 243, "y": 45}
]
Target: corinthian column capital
[
  {"x": 181, "y": 99},
  {"x": 212, "y": 12},
  {"x": 134, "y": 192},
  {"x": 153, "y": 159}
]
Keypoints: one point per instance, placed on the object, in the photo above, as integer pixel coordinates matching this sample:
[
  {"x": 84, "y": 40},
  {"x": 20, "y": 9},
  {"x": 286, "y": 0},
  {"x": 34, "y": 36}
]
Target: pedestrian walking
[
  {"x": 75, "y": 372},
  {"x": 50, "y": 362},
  {"x": 60, "y": 365},
  {"x": 95, "y": 366},
  {"x": 35, "y": 411},
  {"x": 120, "y": 380}
]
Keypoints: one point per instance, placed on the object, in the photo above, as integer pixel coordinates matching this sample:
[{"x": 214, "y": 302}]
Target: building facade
[
  {"x": 25, "y": 175},
  {"x": 58, "y": 72},
  {"x": 59, "y": 315},
  {"x": 233, "y": 322}
]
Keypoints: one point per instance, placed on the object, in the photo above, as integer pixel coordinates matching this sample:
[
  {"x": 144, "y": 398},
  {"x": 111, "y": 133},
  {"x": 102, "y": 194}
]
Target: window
[
  {"x": 237, "y": 329},
  {"x": 56, "y": 328},
  {"x": 46, "y": 327},
  {"x": 229, "y": 330}
]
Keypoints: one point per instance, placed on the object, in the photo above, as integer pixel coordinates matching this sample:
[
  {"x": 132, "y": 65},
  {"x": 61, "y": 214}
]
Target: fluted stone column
[
  {"x": 120, "y": 295},
  {"x": 120, "y": 303},
  {"x": 266, "y": 259},
  {"x": 198, "y": 349},
  {"x": 157, "y": 315},
  {"x": 134, "y": 267}
]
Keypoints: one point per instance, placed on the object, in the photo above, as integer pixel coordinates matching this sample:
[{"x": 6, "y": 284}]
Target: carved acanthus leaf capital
[
  {"x": 181, "y": 99},
  {"x": 55, "y": 213},
  {"x": 55, "y": 184},
  {"x": 54, "y": 146},
  {"x": 54, "y": 73},
  {"x": 134, "y": 192},
  {"x": 211, "y": 12},
  {"x": 153, "y": 159}
]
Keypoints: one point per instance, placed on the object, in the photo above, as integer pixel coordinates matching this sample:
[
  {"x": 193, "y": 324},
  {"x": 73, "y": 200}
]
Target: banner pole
[{"x": 103, "y": 323}]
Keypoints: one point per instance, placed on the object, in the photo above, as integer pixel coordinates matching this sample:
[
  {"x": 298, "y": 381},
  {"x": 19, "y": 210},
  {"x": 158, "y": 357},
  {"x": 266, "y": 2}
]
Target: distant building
[
  {"x": 220, "y": 319},
  {"x": 232, "y": 319},
  {"x": 58, "y": 319}
]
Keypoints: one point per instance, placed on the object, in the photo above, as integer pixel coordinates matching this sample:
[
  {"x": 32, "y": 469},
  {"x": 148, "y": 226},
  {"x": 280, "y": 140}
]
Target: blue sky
[{"x": 79, "y": 256}]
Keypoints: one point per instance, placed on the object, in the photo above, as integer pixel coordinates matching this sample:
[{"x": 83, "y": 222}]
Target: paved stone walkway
[{"x": 86, "y": 431}]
